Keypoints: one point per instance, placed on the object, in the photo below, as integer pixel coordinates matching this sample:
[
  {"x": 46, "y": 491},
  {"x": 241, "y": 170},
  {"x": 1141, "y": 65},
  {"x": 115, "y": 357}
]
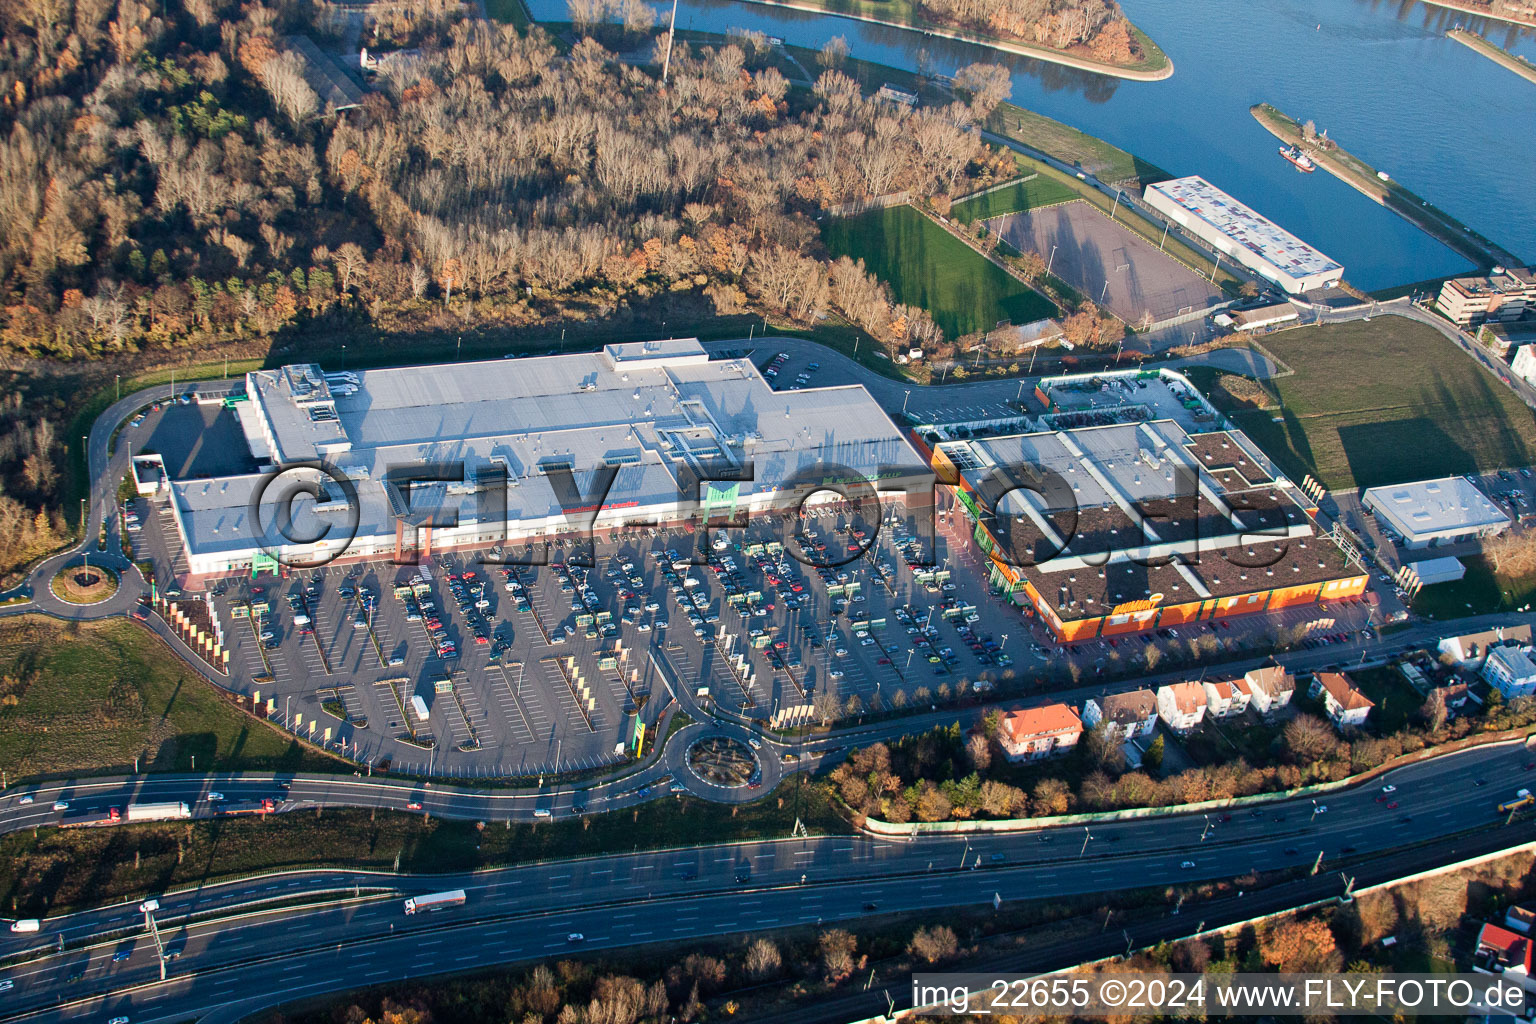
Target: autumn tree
[
  {"x": 986, "y": 85},
  {"x": 837, "y": 949},
  {"x": 1299, "y": 945},
  {"x": 934, "y": 943}
]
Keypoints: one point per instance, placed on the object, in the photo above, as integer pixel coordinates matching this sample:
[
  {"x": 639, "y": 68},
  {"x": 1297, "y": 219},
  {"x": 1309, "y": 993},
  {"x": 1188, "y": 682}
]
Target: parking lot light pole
[{"x": 904, "y": 402}]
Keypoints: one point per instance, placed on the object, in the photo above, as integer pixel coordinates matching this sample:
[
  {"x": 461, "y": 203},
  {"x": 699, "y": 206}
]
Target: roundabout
[
  {"x": 723, "y": 761},
  {"x": 84, "y": 584}
]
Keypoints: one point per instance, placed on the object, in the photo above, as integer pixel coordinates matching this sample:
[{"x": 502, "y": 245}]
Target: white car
[
  {"x": 1187, "y": 865},
  {"x": 61, "y": 805},
  {"x": 6, "y": 985},
  {"x": 25, "y": 798},
  {"x": 573, "y": 937},
  {"x": 215, "y": 798},
  {"x": 1389, "y": 789}
]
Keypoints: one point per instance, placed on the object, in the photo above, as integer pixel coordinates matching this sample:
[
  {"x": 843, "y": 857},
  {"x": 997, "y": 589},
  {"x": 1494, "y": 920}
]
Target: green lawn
[
  {"x": 927, "y": 267},
  {"x": 1386, "y": 402},
  {"x": 1021, "y": 195},
  {"x": 55, "y": 869},
  {"x": 1479, "y": 592},
  {"x": 90, "y": 697},
  {"x": 1397, "y": 702},
  {"x": 1090, "y": 153},
  {"x": 510, "y": 12}
]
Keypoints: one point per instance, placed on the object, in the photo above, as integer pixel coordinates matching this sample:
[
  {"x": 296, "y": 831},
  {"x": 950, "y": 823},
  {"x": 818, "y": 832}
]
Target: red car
[{"x": 413, "y": 806}]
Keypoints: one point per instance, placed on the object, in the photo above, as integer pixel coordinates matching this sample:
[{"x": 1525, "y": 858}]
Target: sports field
[
  {"x": 1386, "y": 402},
  {"x": 929, "y": 268},
  {"x": 1029, "y": 194}
]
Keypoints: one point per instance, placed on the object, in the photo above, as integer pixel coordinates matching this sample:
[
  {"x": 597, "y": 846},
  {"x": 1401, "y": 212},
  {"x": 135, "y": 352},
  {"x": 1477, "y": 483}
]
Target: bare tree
[{"x": 283, "y": 77}]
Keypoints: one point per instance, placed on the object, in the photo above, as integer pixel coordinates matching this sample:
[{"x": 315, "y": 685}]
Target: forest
[
  {"x": 171, "y": 179},
  {"x": 1097, "y": 26}
]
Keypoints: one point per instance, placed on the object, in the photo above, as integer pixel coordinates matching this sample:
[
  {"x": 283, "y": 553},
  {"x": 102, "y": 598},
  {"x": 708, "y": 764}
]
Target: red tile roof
[
  {"x": 1343, "y": 691},
  {"x": 1051, "y": 720}
]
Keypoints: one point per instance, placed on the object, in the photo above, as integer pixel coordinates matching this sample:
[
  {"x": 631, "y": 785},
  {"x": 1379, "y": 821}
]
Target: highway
[{"x": 527, "y": 912}]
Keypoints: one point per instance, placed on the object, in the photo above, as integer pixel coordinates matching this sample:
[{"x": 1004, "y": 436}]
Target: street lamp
[
  {"x": 1207, "y": 830},
  {"x": 1051, "y": 260},
  {"x": 1086, "y": 836},
  {"x": 1314, "y": 812}
]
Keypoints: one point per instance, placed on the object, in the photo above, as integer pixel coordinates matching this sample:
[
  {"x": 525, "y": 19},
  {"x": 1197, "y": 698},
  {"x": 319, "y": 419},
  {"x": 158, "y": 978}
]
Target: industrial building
[
  {"x": 1503, "y": 295},
  {"x": 1116, "y": 522},
  {"x": 1255, "y": 241},
  {"x": 1441, "y": 511},
  {"x": 535, "y": 433}
]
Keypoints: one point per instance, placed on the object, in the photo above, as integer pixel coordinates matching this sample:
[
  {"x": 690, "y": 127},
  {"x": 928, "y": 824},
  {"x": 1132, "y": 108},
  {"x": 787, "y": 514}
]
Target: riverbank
[
  {"x": 1154, "y": 67},
  {"x": 1500, "y": 56},
  {"x": 1350, "y": 169},
  {"x": 1490, "y": 10}
]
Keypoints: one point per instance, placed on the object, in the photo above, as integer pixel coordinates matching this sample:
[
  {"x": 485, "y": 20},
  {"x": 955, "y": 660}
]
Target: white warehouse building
[
  {"x": 1436, "y": 511},
  {"x": 1252, "y": 239},
  {"x": 660, "y": 415}
]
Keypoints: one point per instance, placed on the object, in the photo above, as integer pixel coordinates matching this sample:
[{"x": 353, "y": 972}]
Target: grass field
[
  {"x": 1386, "y": 402},
  {"x": 52, "y": 870},
  {"x": 927, "y": 267},
  {"x": 1479, "y": 592},
  {"x": 1021, "y": 195},
  {"x": 1069, "y": 145},
  {"x": 83, "y": 698}
]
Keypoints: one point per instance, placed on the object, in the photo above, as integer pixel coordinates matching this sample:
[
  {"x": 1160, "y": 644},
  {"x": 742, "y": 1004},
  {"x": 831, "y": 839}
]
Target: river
[{"x": 1381, "y": 77}]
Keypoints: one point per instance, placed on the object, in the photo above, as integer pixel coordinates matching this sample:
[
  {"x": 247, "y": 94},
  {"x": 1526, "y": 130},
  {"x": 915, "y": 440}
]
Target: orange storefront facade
[{"x": 1153, "y": 612}]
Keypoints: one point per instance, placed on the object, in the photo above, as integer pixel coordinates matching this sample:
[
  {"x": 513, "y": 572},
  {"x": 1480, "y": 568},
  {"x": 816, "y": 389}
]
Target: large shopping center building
[
  {"x": 662, "y": 419},
  {"x": 1134, "y": 507}
]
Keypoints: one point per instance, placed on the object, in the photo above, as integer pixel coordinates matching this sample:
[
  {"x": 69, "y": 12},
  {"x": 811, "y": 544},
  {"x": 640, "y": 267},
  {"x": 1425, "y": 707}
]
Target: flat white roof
[
  {"x": 657, "y": 411},
  {"x": 1448, "y": 506},
  {"x": 1247, "y": 227}
]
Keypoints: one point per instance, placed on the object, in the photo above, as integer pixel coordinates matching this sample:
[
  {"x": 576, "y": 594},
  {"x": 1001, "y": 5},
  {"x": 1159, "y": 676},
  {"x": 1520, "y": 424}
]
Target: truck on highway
[
  {"x": 27, "y": 924},
  {"x": 1523, "y": 798},
  {"x": 158, "y": 812},
  {"x": 240, "y": 807},
  {"x": 434, "y": 901},
  {"x": 92, "y": 819}
]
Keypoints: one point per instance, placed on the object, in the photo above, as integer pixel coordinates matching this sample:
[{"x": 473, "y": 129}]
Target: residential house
[
  {"x": 1511, "y": 671},
  {"x": 1126, "y": 716},
  {"x": 1456, "y": 697},
  {"x": 1520, "y": 918},
  {"x": 1224, "y": 699},
  {"x": 1469, "y": 650},
  {"x": 1271, "y": 688},
  {"x": 1032, "y": 733},
  {"x": 1346, "y": 706},
  {"x": 1501, "y": 951},
  {"x": 1181, "y": 706}
]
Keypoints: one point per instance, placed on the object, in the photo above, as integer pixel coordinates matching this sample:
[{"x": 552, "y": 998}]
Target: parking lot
[
  {"x": 1111, "y": 264},
  {"x": 470, "y": 668}
]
